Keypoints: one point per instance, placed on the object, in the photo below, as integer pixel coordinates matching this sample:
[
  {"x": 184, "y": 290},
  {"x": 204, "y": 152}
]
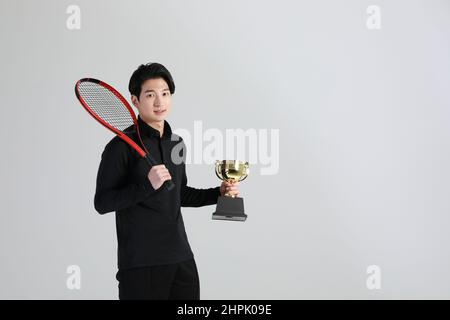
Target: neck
[{"x": 158, "y": 125}]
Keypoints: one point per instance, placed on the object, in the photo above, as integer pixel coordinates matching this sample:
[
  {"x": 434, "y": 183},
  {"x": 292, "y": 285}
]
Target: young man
[{"x": 154, "y": 256}]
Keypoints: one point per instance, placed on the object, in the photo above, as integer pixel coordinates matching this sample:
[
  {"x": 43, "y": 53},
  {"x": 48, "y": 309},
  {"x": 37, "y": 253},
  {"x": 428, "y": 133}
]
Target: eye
[{"x": 150, "y": 95}]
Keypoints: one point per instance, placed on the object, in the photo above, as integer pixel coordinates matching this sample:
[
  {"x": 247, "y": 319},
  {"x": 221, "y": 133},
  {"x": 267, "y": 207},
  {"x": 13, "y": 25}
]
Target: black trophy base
[{"x": 229, "y": 208}]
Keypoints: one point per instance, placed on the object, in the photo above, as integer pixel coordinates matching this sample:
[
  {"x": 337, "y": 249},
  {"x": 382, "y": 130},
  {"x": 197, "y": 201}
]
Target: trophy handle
[
  {"x": 246, "y": 173},
  {"x": 217, "y": 172}
]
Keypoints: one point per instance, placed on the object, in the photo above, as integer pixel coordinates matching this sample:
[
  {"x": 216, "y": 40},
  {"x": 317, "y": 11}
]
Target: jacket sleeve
[
  {"x": 112, "y": 192},
  {"x": 192, "y": 197}
]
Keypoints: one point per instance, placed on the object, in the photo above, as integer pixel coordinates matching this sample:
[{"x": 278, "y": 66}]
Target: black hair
[{"x": 149, "y": 71}]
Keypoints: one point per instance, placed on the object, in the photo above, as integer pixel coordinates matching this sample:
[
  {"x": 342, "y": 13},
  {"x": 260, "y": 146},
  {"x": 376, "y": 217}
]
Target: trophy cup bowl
[{"x": 230, "y": 207}]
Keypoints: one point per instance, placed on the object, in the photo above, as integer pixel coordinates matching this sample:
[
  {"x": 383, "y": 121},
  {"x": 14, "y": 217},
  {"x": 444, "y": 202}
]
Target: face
[{"x": 154, "y": 102}]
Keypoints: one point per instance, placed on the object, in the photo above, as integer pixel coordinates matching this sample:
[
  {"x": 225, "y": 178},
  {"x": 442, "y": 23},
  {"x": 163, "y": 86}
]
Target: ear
[{"x": 135, "y": 101}]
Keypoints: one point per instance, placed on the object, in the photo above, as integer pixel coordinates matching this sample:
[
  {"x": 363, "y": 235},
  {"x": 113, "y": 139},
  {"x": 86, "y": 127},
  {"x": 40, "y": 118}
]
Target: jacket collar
[{"x": 149, "y": 131}]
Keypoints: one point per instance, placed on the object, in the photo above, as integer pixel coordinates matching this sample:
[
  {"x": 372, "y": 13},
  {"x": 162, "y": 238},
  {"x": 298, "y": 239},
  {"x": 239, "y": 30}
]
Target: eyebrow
[{"x": 154, "y": 90}]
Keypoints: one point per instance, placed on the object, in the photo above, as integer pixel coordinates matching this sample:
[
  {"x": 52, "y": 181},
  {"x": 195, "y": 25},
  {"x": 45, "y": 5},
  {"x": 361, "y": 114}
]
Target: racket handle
[{"x": 168, "y": 184}]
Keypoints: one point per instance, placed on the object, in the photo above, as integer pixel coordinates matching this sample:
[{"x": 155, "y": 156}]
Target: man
[{"x": 154, "y": 256}]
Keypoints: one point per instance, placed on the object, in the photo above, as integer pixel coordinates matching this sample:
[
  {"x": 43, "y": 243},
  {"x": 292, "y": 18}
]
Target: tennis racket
[{"x": 112, "y": 110}]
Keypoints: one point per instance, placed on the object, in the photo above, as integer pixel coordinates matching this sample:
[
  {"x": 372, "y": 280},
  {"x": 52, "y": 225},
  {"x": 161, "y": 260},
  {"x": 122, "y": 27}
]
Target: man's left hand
[{"x": 230, "y": 188}]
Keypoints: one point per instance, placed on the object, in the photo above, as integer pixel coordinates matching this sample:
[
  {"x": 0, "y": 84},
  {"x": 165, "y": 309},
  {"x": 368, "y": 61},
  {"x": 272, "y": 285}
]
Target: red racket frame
[
  {"x": 169, "y": 183},
  {"x": 119, "y": 133}
]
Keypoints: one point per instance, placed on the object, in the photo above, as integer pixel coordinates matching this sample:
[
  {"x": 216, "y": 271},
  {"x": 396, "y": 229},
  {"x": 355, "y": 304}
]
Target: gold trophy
[{"x": 230, "y": 207}]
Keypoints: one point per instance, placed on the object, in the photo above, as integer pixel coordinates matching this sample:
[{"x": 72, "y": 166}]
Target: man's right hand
[{"x": 158, "y": 175}]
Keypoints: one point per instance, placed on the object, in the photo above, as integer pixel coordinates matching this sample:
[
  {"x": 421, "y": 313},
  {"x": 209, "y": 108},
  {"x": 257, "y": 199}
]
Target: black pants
[{"x": 177, "y": 281}]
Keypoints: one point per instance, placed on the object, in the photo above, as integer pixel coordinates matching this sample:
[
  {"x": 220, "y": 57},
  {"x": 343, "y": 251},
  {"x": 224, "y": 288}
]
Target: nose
[{"x": 157, "y": 100}]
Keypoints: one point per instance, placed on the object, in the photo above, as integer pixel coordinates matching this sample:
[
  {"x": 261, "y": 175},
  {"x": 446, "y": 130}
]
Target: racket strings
[{"x": 106, "y": 105}]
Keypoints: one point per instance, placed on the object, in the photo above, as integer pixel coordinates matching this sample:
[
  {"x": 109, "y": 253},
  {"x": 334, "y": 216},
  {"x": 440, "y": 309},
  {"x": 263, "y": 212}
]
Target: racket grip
[{"x": 168, "y": 184}]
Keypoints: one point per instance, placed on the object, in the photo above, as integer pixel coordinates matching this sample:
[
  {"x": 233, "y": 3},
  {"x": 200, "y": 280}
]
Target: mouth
[{"x": 158, "y": 112}]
